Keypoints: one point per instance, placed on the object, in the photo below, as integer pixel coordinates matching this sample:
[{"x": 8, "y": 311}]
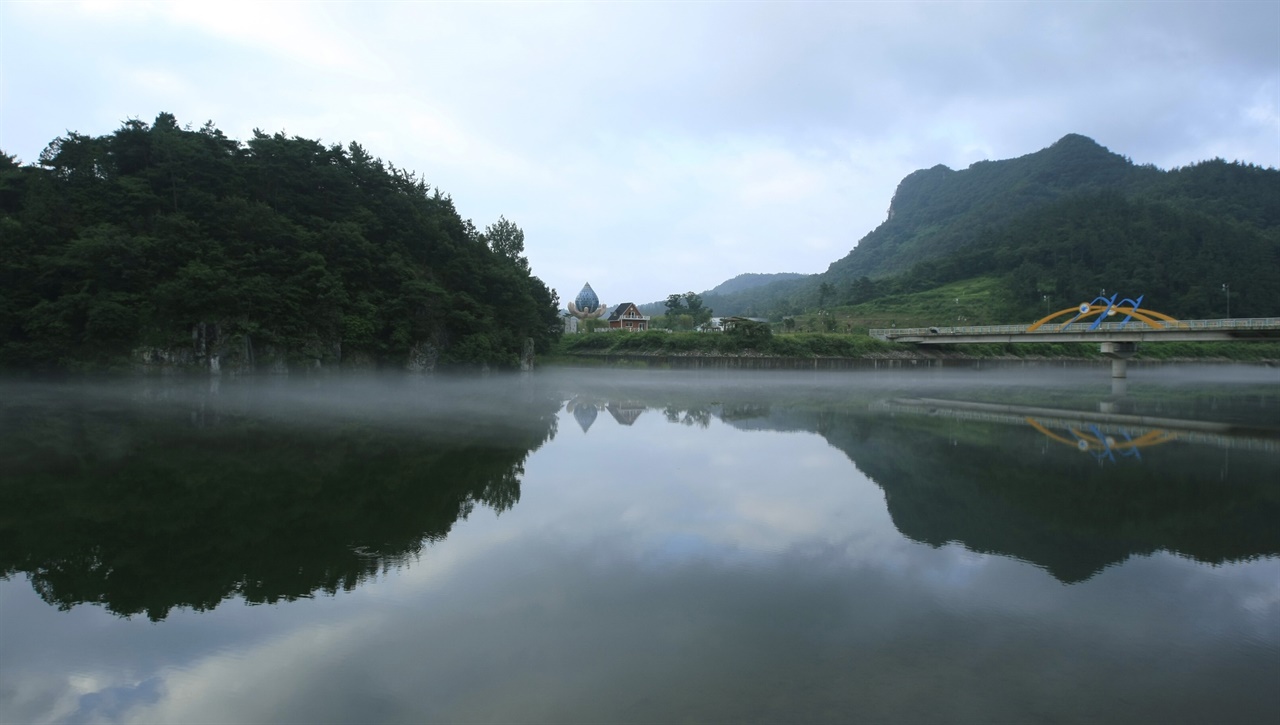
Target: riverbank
[{"x": 841, "y": 352}]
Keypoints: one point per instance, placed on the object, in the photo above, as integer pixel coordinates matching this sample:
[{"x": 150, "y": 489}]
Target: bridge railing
[{"x": 1254, "y": 323}]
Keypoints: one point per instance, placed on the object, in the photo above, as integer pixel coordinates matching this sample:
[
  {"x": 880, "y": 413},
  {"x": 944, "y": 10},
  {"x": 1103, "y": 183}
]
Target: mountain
[
  {"x": 749, "y": 281},
  {"x": 740, "y": 283},
  {"x": 1061, "y": 223},
  {"x": 936, "y": 212}
]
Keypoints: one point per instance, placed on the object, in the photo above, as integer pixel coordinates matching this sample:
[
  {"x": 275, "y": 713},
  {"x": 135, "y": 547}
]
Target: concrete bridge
[
  {"x": 1118, "y": 340},
  {"x": 1262, "y": 328}
]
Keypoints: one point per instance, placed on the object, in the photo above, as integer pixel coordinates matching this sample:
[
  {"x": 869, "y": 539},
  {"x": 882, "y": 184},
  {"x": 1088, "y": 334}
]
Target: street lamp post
[
  {"x": 1046, "y": 304},
  {"x": 1226, "y": 290}
]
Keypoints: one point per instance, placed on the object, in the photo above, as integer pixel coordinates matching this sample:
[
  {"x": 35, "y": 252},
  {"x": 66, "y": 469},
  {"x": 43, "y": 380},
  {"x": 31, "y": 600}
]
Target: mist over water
[{"x": 999, "y": 544}]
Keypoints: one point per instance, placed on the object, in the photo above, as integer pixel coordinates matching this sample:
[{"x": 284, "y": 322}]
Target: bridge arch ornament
[{"x": 1105, "y": 307}]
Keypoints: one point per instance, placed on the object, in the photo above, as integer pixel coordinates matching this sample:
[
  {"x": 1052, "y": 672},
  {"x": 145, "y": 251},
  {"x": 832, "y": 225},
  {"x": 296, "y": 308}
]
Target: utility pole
[{"x": 1226, "y": 290}]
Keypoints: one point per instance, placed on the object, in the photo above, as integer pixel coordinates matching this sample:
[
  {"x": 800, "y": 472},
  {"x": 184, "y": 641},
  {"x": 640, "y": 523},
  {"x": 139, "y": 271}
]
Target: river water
[{"x": 1001, "y": 545}]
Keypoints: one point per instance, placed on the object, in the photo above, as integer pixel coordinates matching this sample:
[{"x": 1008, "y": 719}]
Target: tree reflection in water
[{"x": 159, "y": 497}]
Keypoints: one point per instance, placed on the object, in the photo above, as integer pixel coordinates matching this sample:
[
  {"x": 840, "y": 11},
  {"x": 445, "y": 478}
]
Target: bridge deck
[{"x": 1262, "y": 328}]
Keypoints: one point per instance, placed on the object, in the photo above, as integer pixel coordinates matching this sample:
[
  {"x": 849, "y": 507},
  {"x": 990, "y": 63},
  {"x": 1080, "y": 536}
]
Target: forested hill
[
  {"x": 167, "y": 243},
  {"x": 1063, "y": 222},
  {"x": 747, "y": 281},
  {"x": 936, "y": 212},
  {"x": 737, "y": 284}
]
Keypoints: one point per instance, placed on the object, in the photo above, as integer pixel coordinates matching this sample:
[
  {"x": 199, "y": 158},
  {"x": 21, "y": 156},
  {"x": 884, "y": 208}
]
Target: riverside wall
[{"x": 753, "y": 362}]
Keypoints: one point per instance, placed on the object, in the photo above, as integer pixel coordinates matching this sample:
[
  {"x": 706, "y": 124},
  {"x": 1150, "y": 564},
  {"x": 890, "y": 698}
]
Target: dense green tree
[
  {"x": 507, "y": 239},
  {"x": 693, "y": 303},
  {"x": 282, "y": 244},
  {"x": 686, "y": 311}
]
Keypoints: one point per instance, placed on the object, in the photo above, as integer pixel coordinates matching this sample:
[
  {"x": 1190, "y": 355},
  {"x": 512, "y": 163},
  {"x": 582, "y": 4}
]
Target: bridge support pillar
[
  {"x": 1119, "y": 352},
  {"x": 1119, "y": 368}
]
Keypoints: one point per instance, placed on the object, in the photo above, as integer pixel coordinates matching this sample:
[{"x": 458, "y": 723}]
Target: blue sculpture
[{"x": 586, "y": 306}]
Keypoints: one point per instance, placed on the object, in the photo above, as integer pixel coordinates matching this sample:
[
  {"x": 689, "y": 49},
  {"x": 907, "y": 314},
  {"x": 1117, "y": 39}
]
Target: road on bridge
[{"x": 1263, "y": 328}]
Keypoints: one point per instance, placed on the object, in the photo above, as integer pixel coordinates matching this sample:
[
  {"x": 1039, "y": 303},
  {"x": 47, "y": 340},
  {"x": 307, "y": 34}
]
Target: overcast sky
[{"x": 652, "y": 148}]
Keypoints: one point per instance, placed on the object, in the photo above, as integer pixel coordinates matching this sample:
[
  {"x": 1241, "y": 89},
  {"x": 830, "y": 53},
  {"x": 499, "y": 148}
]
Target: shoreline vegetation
[{"x": 857, "y": 349}]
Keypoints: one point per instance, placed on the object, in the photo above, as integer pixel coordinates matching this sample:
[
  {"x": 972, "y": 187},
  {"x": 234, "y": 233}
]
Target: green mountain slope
[
  {"x": 938, "y": 211},
  {"x": 741, "y": 283},
  {"x": 1063, "y": 223}
]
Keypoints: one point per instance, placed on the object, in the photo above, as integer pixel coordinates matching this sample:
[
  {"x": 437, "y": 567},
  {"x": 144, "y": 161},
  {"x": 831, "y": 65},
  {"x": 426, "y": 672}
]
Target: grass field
[{"x": 979, "y": 301}]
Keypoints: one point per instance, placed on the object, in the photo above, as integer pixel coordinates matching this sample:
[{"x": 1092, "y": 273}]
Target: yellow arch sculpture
[
  {"x": 1082, "y": 312},
  {"x": 1086, "y": 442}
]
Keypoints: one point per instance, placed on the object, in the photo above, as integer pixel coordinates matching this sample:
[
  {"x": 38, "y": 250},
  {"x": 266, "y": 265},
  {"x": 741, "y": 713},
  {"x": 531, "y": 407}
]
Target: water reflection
[
  {"x": 1102, "y": 434},
  {"x": 714, "y": 548},
  {"x": 1030, "y": 481},
  {"x": 164, "y": 496},
  {"x": 1015, "y": 492},
  {"x": 584, "y": 410}
]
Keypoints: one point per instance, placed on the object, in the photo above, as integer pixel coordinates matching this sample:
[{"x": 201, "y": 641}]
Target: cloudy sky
[{"x": 652, "y": 148}]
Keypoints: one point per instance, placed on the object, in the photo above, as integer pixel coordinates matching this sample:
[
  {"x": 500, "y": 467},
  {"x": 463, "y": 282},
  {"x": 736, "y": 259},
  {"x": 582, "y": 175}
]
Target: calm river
[{"x": 1003, "y": 545}]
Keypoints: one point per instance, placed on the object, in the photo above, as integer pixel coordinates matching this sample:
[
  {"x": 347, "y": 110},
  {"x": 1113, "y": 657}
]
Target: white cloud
[{"x": 708, "y": 140}]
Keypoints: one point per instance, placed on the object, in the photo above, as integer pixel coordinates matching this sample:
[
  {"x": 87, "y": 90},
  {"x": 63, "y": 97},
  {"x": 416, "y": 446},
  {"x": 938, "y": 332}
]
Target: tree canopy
[{"x": 281, "y": 245}]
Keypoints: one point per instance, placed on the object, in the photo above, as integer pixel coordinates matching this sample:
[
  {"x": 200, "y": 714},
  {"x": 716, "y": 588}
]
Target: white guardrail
[{"x": 1256, "y": 323}]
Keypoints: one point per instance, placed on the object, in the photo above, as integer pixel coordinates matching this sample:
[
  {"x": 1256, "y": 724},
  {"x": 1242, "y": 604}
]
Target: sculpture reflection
[
  {"x": 1102, "y": 446},
  {"x": 585, "y": 409}
]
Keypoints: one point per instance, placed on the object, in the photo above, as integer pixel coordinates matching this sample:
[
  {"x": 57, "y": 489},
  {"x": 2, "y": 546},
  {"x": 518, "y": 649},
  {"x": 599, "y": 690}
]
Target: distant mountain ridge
[
  {"x": 1054, "y": 225},
  {"x": 750, "y": 280},
  {"x": 740, "y": 283}
]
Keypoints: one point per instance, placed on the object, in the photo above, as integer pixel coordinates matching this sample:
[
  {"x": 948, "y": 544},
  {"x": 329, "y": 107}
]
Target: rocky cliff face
[{"x": 216, "y": 351}]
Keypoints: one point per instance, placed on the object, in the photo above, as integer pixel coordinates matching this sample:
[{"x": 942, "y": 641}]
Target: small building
[
  {"x": 728, "y": 323},
  {"x": 626, "y": 316}
]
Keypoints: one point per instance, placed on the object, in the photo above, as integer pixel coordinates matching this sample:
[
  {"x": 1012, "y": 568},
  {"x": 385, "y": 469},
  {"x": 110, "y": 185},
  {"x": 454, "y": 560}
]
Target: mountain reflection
[
  {"x": 160, "y": 497},
  {"x": 1071, "y": 491},
  {"x": 149, "y": 497},
  {"x": 1008, "y": 490}
]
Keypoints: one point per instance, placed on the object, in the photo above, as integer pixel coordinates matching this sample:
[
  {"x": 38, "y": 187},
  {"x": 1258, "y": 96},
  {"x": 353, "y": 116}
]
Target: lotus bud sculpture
[{"x": 587, "y": 306}]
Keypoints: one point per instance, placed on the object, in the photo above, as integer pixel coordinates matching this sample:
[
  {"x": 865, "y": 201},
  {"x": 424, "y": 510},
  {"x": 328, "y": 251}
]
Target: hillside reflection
[
  {"x": 1011, "y": 490},
  {"x": 1072, "y": 491},
  {"x": 155, "y": 497}
]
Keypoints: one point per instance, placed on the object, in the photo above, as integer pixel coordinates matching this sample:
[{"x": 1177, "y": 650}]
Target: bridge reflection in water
[{"x": 1102, "y": 434}]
